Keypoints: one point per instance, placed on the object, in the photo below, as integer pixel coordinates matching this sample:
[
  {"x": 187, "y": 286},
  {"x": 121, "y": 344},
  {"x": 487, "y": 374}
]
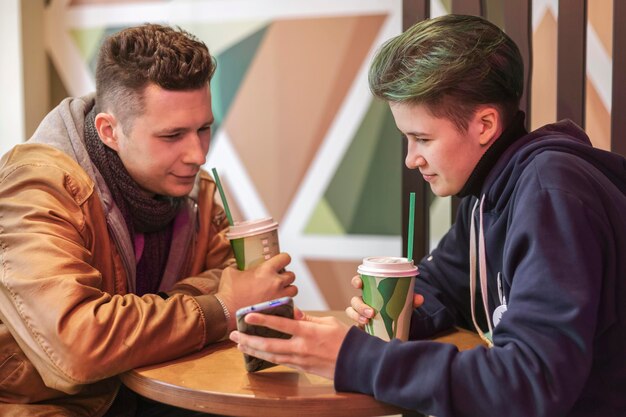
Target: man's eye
[{"x": 171, "y": 136}]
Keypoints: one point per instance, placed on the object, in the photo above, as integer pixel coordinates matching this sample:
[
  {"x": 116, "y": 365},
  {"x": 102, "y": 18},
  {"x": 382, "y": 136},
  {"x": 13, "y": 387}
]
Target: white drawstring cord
[
  {"x": 482, "y": 259},
  {"x": 483, "y": 271}
]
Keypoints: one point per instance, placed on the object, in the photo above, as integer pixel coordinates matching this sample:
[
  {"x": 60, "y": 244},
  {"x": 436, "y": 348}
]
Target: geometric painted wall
[{"x": 298, "y": 135}]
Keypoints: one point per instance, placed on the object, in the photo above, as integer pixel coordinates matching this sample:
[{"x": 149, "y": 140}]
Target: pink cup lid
[
  {"x": 387, "y": 266},
  {"x": 251, "y": 228}
]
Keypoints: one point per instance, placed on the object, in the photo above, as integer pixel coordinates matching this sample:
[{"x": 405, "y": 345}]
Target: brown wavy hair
[{"x": 136, "y": 57}]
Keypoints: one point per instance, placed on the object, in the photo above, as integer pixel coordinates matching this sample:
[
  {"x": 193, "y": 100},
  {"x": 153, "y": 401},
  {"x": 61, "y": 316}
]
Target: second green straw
[{"x": 409, "y": 250}]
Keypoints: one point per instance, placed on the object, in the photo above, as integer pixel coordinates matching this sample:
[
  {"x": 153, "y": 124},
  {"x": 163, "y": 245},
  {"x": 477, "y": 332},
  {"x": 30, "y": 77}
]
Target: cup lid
[
  {"x": 251, "y": 228},
  {"x": 387, "y": 266}
]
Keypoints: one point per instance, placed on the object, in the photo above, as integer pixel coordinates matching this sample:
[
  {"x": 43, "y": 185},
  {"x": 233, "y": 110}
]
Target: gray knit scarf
[{"x": 151, "y": 216}]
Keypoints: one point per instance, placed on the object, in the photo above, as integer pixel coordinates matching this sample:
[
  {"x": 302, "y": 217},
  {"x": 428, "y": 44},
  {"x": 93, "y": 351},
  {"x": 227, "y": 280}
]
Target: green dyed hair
[{"x": 451, "y": 64}]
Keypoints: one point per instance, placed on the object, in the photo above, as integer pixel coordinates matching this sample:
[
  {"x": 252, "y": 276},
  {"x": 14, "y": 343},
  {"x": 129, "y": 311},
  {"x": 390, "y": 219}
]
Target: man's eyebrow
[{"x": 170, "y": 130}]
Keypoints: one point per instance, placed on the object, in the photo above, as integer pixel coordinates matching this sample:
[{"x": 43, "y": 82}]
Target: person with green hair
[{"x": 539, "y": 240}]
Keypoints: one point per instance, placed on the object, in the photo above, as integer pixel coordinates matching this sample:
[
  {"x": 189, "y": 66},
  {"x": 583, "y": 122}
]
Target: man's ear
[
  {"x": 488, "y": 124},
  {"x": 106, "y": 125}
]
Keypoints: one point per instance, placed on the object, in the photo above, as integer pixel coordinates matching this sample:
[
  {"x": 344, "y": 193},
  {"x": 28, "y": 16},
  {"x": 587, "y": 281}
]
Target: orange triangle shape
[{"x": 294, "y": 87}]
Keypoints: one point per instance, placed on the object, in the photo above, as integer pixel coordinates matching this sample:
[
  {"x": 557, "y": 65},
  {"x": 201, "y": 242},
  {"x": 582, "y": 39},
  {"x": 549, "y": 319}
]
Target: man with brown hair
[{"x": 112, "y": 249}]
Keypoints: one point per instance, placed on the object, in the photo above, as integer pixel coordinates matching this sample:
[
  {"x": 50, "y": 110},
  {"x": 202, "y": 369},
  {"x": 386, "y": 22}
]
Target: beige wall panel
[
  {"x": 600, "y": 15},
  {"x": 108, "y": 2},
  {"x": 598, "y": 120},
  {"x": 543, "y": 94}
]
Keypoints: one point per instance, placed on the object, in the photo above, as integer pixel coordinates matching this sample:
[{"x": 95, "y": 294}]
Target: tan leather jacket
[{"x": 69, "y": 322}]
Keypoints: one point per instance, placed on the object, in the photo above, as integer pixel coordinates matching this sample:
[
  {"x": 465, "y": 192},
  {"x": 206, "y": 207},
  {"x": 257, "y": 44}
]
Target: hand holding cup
[
  {"x": 266, "y": 281},
  {"x": 361, "y": 312}
]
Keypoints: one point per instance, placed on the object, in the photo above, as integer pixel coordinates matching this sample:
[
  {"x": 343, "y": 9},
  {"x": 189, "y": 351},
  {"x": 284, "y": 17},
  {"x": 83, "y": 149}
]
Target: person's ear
[
  {"x": 106, "y": 125},
  {"x": 488, "y": 124}
]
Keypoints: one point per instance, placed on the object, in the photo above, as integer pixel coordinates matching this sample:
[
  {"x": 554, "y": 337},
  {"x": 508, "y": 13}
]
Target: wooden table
[{"x": 214, "y": 380}]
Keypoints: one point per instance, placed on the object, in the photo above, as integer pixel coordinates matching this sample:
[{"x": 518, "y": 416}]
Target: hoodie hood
[{"x": 564, "y": 136}]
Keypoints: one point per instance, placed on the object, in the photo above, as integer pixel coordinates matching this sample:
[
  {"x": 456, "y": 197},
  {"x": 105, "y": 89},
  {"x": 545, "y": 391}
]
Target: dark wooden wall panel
[
  {"x": 518, "y": 25},
  {"x": 470, "y": 7},
  {"x": 618, "y": 105}
]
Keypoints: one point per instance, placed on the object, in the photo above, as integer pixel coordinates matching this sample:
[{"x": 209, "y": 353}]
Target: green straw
[
  {"x": 409, "y": 250},
  {"x": 223, "y": 196}
]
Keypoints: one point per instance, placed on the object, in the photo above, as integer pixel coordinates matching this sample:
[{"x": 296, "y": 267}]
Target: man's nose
[{"x": 195, "y": 152}]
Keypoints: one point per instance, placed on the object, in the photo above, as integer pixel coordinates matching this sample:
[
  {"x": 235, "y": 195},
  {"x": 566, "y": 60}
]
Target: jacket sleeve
[
  {"x": 52, "y": 297},
  {"x": 211, "y": 254},
  {"x": 557, "y": 250}
]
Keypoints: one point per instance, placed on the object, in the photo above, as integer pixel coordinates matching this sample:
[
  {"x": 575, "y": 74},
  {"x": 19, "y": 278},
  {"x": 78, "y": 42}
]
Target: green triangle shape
[
  {"x": 232, "y": 65},
  {"x": 323, "y": 221},
  {"x": 345, "y": 189},
  {"x": 379, "y": 211}
]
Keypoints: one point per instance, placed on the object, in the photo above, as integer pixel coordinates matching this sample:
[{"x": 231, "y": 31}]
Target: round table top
[{"x": 214, "y": 380}]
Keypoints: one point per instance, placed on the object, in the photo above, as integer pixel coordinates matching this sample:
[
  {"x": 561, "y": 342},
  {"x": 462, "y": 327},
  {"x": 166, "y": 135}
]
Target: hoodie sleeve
[
  {"x": 443, "y": 281},
  {"x": 559, "y": 245}
]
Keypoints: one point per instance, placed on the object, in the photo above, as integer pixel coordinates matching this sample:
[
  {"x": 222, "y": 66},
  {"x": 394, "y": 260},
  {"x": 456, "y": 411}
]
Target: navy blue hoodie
[{"x": 554, "y": 219}]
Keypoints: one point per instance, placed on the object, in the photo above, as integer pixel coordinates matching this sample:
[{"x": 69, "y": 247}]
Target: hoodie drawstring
[{"x": 482, "y": 259}]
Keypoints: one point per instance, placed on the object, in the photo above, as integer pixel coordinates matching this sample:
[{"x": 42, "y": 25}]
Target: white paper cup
[{"x": 254, "y": 241}]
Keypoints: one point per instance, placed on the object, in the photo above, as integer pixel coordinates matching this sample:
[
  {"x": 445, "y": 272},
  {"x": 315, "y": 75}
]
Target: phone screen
[{"x": 279, "y": 307}]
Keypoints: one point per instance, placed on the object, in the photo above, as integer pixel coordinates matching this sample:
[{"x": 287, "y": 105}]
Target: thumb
[
  {"x": 312, "y": 319},
  {"x": 299, "y": 314},
  {"x": 418, "y": 300},
  {"x": 279, "y": 261}
]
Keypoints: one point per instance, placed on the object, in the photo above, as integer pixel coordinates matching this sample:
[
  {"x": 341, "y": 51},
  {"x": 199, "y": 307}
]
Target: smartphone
[{"x": 279, "y": 307}]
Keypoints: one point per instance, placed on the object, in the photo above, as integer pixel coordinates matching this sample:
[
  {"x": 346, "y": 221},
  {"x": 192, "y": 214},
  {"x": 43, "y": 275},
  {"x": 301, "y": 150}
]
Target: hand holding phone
[{"x": 279, "y": 307}]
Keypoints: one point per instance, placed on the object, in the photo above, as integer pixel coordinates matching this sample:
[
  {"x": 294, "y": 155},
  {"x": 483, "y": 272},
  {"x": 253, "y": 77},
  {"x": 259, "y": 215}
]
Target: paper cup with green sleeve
[
  {"x": 254, "y": 241},
  {"x": 388, "y": 289}
]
